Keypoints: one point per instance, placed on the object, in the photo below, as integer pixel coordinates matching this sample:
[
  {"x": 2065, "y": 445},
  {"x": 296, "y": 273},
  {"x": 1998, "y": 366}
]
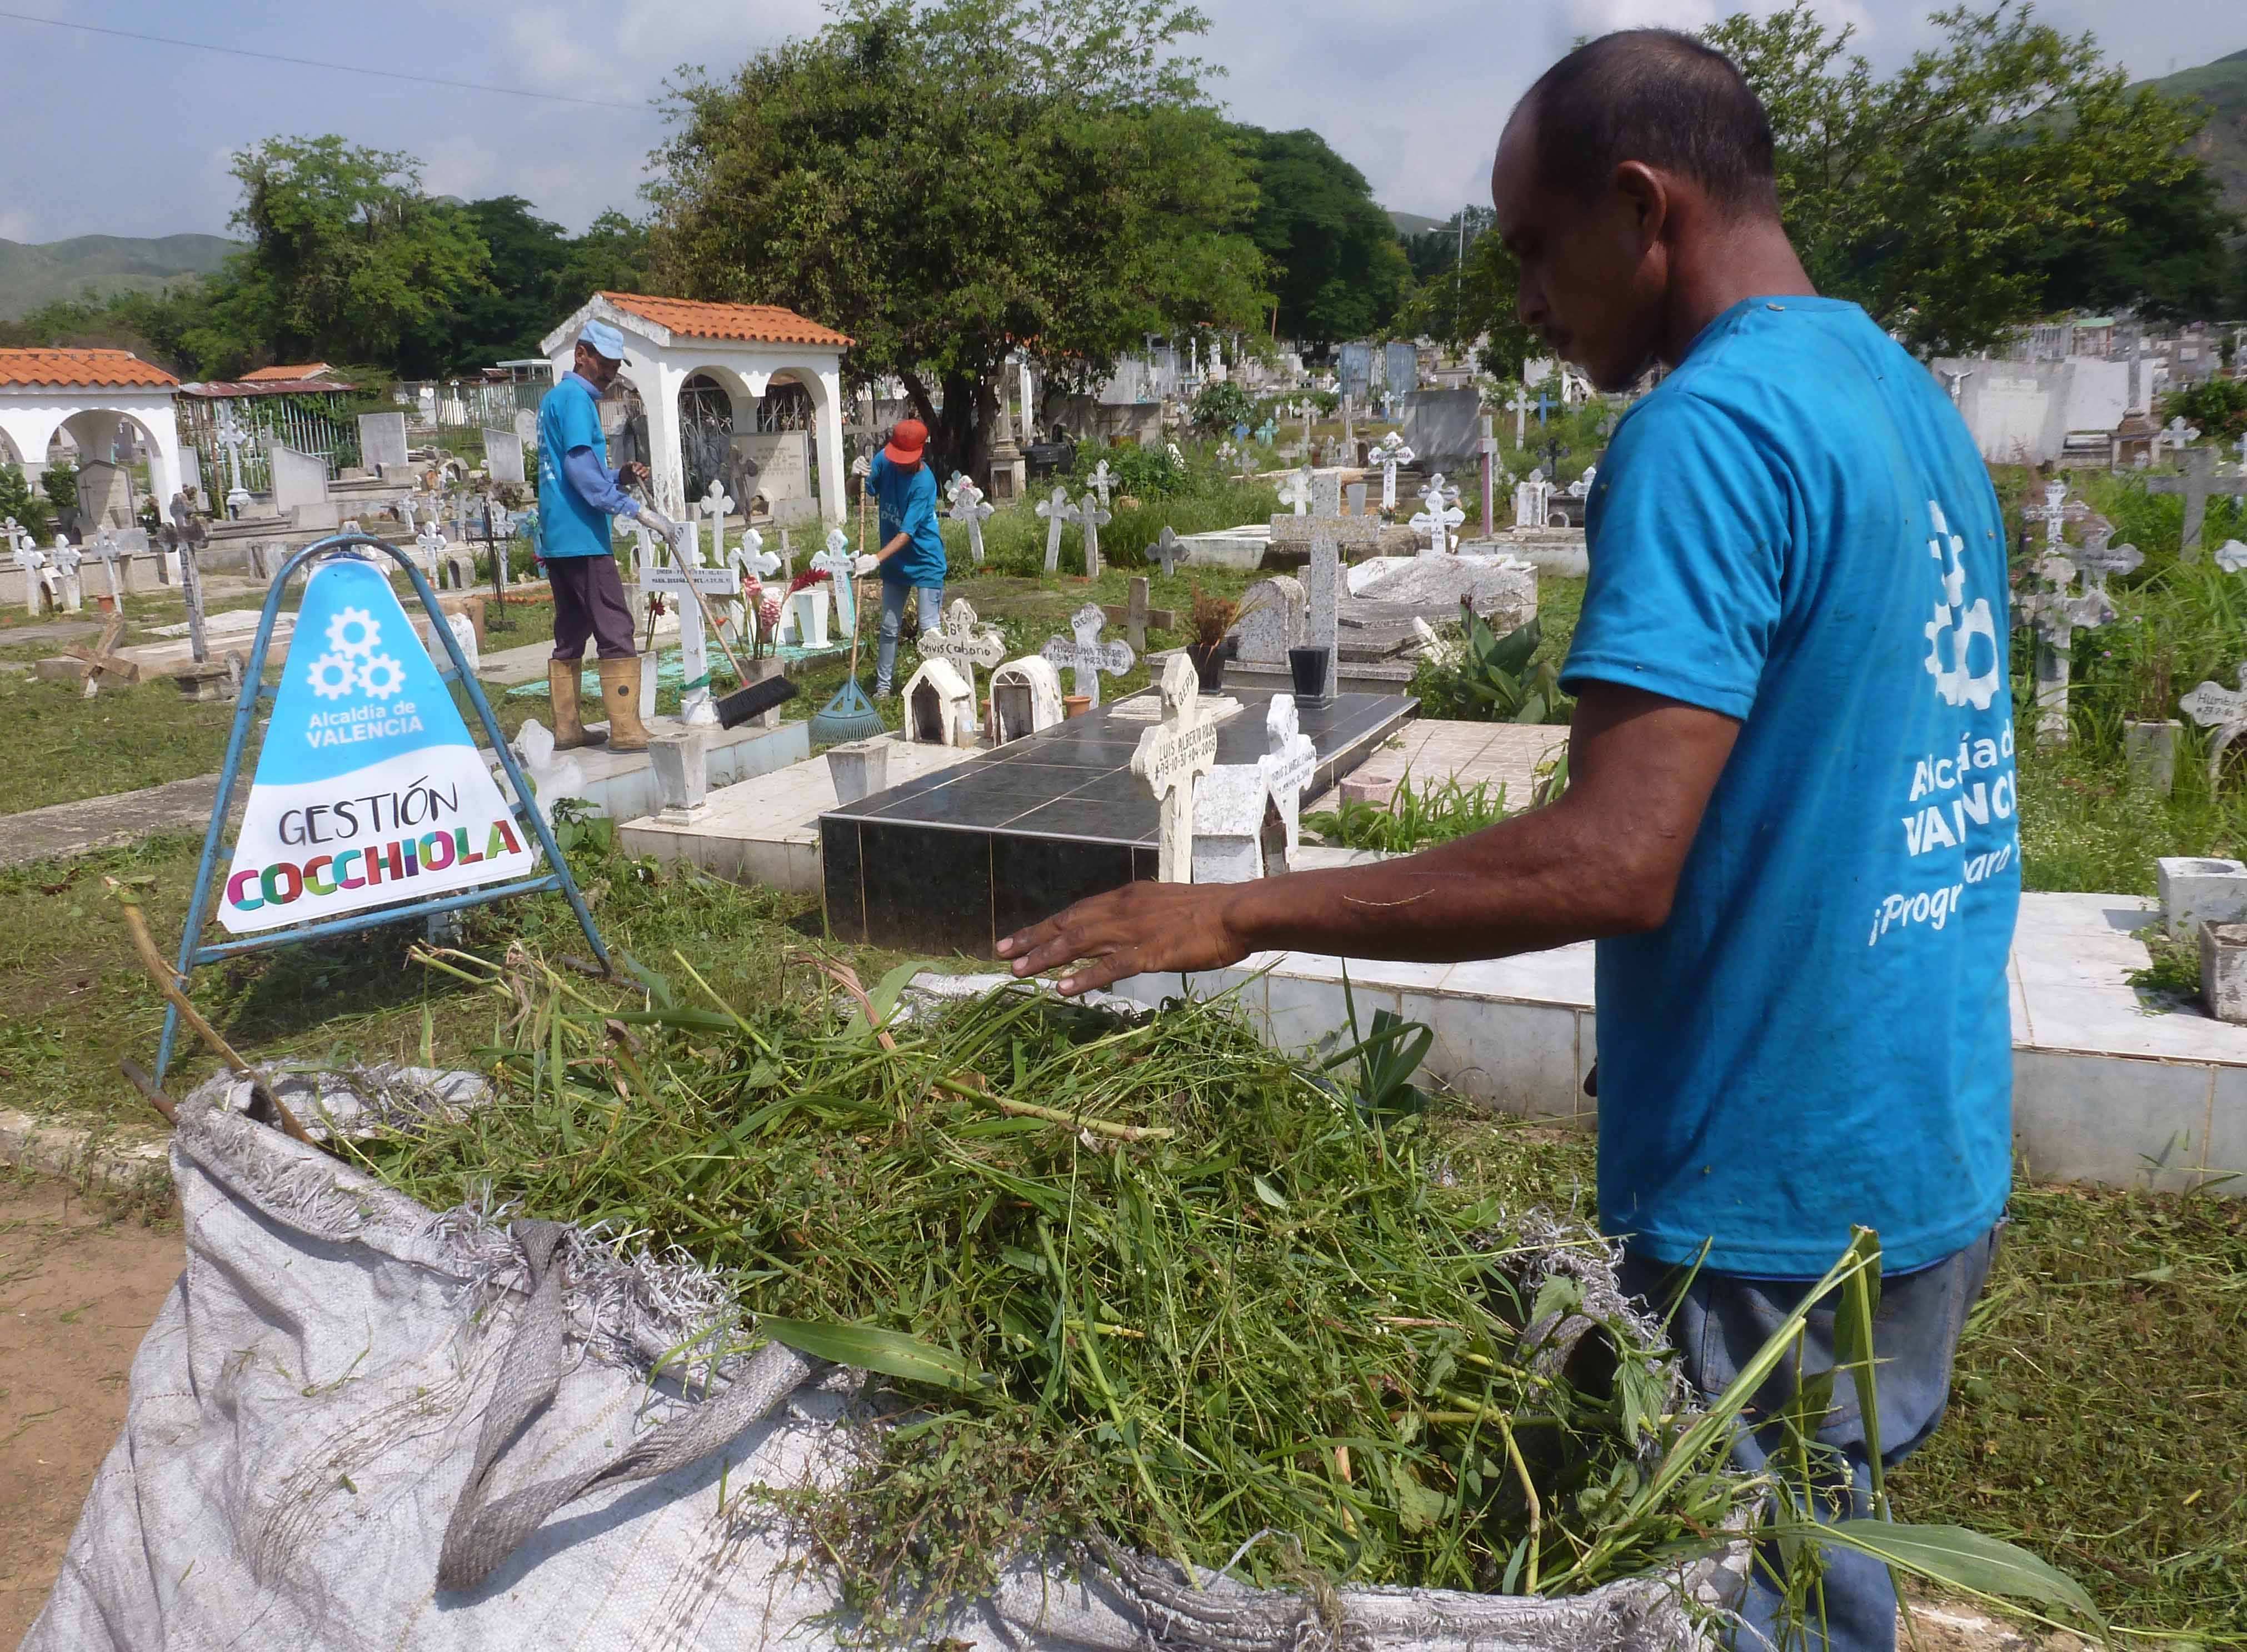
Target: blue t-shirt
[
  {"x": 570, "y": 416},
  {"x": 905, "y": 502},
  {"x": 1795, "y": 529}
]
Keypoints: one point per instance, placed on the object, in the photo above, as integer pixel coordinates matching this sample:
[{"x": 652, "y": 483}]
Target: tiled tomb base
[
  {"x": 2103, "y": 1090},
  {"x": 954, "y": 861}
]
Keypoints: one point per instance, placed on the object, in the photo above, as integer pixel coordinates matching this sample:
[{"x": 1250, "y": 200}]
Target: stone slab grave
[
  {"x": 1431, "y": 750},
  {"x": 2103, "y": 1091},
  {"x": 765, "y": 828},
  {"x": 503, "y": 455},
  {"x": 954, "y": 861},
  {"x": 382, "y": 440}
]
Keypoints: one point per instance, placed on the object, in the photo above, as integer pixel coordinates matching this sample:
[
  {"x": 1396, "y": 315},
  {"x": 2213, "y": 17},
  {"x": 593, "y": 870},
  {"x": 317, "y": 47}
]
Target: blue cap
[{"x": 603, "y": 339}]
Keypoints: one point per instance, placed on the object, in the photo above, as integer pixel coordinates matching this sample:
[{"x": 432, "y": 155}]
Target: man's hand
[
  {"x": 632, "y": 473},
  {"x": 1129, "y": 931}
]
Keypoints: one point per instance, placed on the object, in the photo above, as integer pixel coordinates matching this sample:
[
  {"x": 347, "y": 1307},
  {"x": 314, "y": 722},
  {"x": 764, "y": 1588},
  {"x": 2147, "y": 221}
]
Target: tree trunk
[{"x": 959, "y": 437}]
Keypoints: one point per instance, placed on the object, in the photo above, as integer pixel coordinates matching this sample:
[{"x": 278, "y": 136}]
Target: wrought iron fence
[{"x": 233, "y": 436}]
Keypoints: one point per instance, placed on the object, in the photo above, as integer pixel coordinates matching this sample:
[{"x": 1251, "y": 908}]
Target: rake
[{"x": 850, "y": 716}]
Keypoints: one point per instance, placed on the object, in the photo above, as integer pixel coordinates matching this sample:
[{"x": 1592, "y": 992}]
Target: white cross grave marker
[
  {"x": 969, "y": 507},
  {"x": 2177, "y": 434},
  {"x": 429, "y": 550},
  {"x": 72, "y": 590},
  {"x": 1171, "y": 757},
  {"x": 1297, "y": 493},
  {"x": 2097, "y": 558},
  {"x": 32, "y": 561},
  {"x": 2056, "y": 615},
  {"x": 965, "y": 643},
  {"x": 1100, "y": 481},
  {"x": 1289, "y": 762},
  {"x": 107, "y": 548},
  {"x": 1389, "y": 453},
  {"x": 838, "y": 564},
  {"x": 1055, "y": 511},
  {"x": 1091, "y": 515},
  {"x": 1087, "y": 655},
  {"x": 2057, "y": 511},
  {"x": 1439, "y": 513},
  {"x": 1520, "y": 406},
  {"x": 1168, "y": 551},
  {"x": 696, "y": 709},
  {"x": 2213, "y": 706}
]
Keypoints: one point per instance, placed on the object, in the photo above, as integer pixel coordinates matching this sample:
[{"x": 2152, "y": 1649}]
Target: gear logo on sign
[
  {"x": 351, "y": 662},
  {"x": 1954, "y": 680}
]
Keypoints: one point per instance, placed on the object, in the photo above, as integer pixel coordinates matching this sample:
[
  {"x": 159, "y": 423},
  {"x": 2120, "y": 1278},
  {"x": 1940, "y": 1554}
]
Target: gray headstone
[
  {"x": 502, "y": 452},
  {"x": 298, "y": 478},
  {"x": 1443, "y": 427},
  {"x": 1271, "y": 621},
  {"x": 1401, "y": 362},
  {"x": 105, "y": 495},
  {"x": 381, "y": 439}
]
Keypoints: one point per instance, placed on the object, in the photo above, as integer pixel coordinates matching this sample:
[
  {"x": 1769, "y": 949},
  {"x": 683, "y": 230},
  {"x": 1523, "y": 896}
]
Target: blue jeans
[
  {"x": 1717, "y": 1326},
  {"x": 893, "y": 615}
]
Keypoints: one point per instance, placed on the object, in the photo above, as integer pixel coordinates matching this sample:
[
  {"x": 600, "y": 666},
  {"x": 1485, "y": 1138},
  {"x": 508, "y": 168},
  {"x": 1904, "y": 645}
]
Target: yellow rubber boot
[
  {"x": 562, "y": 677},
  {"x": 620, "y": 696}
]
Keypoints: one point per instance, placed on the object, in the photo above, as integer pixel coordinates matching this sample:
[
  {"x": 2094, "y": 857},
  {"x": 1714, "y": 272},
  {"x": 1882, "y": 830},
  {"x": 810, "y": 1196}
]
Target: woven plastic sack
[{"x": 358, "y": 1423}]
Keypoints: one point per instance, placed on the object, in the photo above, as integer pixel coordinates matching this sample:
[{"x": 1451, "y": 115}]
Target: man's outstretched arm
[{"x": 1604, "y": 860}]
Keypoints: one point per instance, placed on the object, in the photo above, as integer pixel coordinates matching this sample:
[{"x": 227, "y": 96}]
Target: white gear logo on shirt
[{"x": 1958, "y": 685}]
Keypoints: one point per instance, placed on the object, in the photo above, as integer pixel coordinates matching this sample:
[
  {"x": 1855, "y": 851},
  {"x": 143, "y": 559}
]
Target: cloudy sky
[{"x": 108, "y": 134}]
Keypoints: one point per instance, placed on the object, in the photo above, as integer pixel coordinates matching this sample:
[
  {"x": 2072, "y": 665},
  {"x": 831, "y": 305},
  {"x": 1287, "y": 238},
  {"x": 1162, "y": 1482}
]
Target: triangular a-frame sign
[{"x": 369, "y": 791}]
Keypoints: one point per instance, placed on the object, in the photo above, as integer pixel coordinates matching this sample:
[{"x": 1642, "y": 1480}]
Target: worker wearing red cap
[{"x": 912, "y": 556}]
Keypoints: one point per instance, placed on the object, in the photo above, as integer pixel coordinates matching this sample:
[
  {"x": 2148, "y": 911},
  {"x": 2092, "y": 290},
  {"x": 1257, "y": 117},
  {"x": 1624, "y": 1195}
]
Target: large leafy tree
[
  {"x": 948, "y": 182},
  {"x": 537, "y": 275},
  {"x": 1338, "y": 270},
  {"x": 1937, "y": 198},
  {"x": 348, "y": 260}
]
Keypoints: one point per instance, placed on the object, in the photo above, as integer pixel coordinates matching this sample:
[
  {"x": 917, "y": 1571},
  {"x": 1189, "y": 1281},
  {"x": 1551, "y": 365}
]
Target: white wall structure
[
  {"x": 88, "y": 394},
  {"x": 2021, "y": 413},
  {"x": 743, "y": 347}
]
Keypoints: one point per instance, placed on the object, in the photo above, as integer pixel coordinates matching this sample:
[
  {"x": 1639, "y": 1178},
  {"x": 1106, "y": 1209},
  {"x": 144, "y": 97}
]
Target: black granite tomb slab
[{"x": 955, "y": 860}]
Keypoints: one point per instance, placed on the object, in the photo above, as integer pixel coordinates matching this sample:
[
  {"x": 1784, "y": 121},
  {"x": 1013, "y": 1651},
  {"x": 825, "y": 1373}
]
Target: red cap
[{"x": 905, "y": 442}]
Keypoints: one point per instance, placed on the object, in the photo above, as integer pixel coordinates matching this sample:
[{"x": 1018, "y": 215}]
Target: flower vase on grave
[
  {"x": 1208, "y": 664},
  {"x": 1309, "y": 668}
]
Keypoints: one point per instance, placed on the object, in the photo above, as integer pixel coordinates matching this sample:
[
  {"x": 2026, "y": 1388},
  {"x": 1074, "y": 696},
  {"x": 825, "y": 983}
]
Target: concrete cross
[
  {"x": 2097, "y": 558},
  {"x": 1171, "y": 757},
  {"x": 715, "y": 507},
  {"x": 1090, "y": 515},
  {"x": 970, "y": 509},
  {"x": 1168, "y": 551},
  {"x": 965, "y": 643},
  {"x": 1291, "y": 758},
  {"x": 2056, "y": 615},
  {"x": 191, "y": 592},
  {"x": 107, "y": 548},
  {"x": 1387, "y": 453},
  {"x": 1519, "y": 405},
  {"x": 1297, "y": 493},
  {"x": 1226, "y": 453},
  {"x": 429, "y": 544},
  {"x": 838, "y": 564},
  {"x": 1439, "y": 513},
  {"x": 2057, "y": 511},
  {"x": 1087, "y": 655},
  {"x": 2177, "y": 434},
  {"x": 71, "y": 589},
  {"x": 1324, "y": 586},
  {"x": 1100, "y": 481},
  {"x": 1055, "y": 511},
  {"x": 38, "y": 580},
  {"x": 2197, "y": 482}
]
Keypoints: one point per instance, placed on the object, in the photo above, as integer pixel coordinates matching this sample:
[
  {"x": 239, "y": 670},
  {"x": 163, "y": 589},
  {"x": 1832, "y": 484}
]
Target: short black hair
[{"x": 1660, "y": 97}]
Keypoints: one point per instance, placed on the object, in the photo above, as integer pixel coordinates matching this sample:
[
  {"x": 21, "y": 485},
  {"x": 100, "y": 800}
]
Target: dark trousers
[
  {"x": 1718, "y": 1324},
  {"x": 588, "y": 601}
]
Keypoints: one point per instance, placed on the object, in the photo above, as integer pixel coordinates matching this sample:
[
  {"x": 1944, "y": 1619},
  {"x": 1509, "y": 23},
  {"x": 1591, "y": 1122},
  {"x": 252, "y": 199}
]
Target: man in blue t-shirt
[
  {"x": 578, "y": 495},
  {"x": 1790, "y": 821},
  {"x": 912, "y": 556}
]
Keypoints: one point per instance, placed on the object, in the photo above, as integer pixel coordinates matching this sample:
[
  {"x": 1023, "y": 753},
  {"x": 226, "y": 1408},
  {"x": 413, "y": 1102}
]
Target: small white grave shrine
[
  {"x": 940, "y": 706},
  {"x": 1025, "y": 699}
]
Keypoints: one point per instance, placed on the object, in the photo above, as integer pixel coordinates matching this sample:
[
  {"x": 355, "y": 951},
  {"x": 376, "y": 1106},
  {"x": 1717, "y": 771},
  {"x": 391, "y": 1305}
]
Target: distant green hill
[
  {"x": 39, "y": 273},
  {"x": 1412, "y": 224},
  {"x": 2222, "y": 86}
]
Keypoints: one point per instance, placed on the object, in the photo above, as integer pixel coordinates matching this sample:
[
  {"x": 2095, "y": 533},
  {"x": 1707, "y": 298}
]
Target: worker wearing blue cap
[{"x": 578, "y": 494}]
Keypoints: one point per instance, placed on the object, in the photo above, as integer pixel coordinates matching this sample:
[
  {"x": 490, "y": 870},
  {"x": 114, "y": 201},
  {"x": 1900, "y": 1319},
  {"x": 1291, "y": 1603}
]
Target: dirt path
[{"x": 78, "y": 1288}]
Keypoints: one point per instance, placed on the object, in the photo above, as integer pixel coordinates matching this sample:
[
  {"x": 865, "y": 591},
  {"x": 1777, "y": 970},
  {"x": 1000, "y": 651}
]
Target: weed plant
[
  {"x": 1159, "y": 1283},
  {"x": 1414, "y": 816},
  {"x": 1014, "y": 537}
]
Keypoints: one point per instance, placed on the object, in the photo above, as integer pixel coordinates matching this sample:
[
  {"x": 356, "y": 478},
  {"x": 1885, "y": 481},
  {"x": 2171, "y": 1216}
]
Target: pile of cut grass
[{"x": 1149, "y": 1281}]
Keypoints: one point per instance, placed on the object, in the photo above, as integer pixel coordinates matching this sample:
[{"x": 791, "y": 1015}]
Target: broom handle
[{"x": 724, "y": 647}]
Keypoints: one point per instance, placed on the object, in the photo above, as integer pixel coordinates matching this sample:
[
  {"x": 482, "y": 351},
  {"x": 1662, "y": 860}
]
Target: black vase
[
  {"x": 1309, "y": 668},
  {"x": 1209, "y": 666}
]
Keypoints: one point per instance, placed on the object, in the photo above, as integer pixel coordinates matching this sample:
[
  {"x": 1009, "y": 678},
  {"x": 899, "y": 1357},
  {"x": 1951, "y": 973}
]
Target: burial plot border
[{"x": 258, "y": 694}]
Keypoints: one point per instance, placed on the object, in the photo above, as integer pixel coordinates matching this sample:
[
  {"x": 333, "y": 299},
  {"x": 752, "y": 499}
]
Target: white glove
[
  {"x": 658, "y": 523},
  {"x": 866, "y": 566}
]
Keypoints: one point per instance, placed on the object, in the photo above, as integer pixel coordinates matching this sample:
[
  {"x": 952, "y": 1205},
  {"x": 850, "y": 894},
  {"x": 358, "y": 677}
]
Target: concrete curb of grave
[{"x": 94, "y": 1157}]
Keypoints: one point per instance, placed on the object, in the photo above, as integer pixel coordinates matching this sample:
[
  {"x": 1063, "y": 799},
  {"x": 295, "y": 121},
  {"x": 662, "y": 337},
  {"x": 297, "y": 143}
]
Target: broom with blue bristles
[{"x": 850, "y": 716}]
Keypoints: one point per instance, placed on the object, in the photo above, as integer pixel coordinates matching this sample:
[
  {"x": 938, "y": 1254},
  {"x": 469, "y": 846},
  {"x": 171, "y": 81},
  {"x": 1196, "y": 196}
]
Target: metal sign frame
[{"x": 255, "y": 695}]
